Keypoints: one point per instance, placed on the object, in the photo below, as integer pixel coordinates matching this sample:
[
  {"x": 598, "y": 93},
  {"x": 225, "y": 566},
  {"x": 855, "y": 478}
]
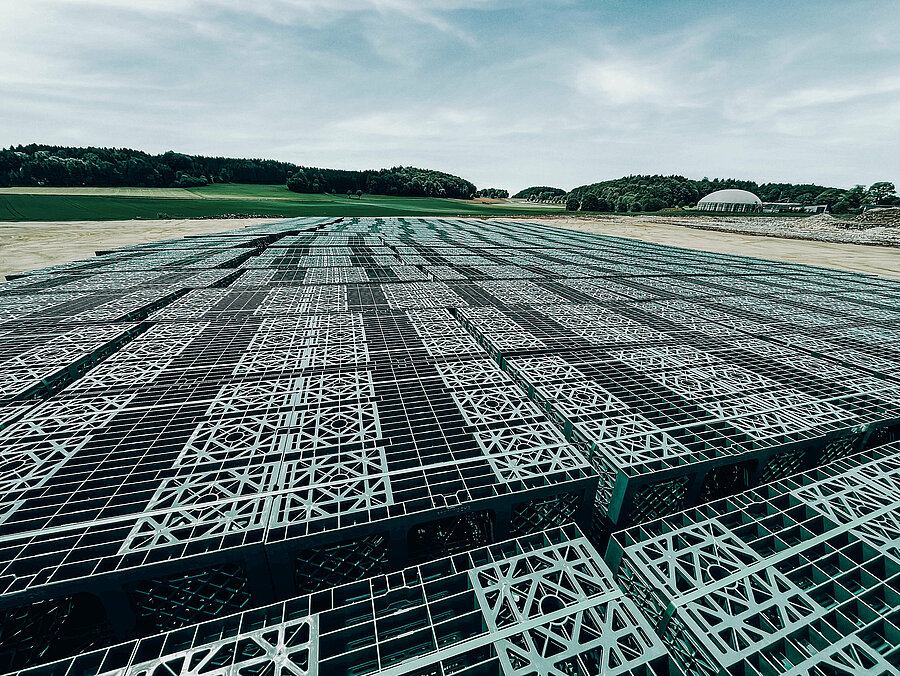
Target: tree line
[
  {"x": 541, "y": 193},
  {"x": 493, "y": 193},
  {"x": 59, "y": 166},
  {"x": 398, "y": 181},
  {"x": 656, "y": 192}
]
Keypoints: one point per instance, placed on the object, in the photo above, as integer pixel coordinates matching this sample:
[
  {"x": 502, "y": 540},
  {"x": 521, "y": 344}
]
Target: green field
[{"x": 108, "y": 204}]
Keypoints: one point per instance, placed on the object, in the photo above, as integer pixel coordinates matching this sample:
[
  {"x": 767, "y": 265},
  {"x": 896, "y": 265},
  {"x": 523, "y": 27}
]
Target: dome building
[{"x": 730, "y": 200}]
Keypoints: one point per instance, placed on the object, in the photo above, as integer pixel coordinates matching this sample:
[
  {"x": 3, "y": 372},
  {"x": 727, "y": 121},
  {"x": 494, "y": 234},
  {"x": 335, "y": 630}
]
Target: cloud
[
  {"x": 428, "y": 12},
  {"x": 410, "y": 125},
  {"x": 809, "y": 97},
  {"x": 620, "y": 83},
  {"x": 506, "y": 92}
]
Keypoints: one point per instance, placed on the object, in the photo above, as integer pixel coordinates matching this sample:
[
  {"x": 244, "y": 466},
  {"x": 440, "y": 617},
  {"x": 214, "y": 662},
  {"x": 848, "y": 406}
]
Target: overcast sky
[{"x": 506, "y": 94}]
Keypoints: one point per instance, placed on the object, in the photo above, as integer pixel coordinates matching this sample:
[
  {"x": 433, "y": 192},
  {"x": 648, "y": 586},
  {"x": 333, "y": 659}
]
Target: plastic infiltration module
[{"x": 315, "y": 411}]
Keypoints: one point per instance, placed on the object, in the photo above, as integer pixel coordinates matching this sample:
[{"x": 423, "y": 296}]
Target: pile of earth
[
  {"x": 888, "y": 217},
  {"x": 876, "y": 227}
]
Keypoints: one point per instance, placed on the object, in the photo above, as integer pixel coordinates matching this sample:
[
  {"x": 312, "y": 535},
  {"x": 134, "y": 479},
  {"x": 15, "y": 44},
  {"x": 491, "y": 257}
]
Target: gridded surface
[
  {"x": 799, "y": 577},
  {"x": 195, "y": 427},
  {"x": 260, "y": 431},
  {"x": 677, "y": 386},
  {"x": 543, "y": 604}
]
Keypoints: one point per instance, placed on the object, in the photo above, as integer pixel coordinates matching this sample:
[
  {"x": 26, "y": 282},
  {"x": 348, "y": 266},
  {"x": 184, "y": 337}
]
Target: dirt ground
[
  {"x": 28, "y": 246},
  {"x": 876, "y": 260}
]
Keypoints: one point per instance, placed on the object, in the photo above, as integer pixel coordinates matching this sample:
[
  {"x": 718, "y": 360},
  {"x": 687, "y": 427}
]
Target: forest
[
  {"x": 652, "y": 193},
  {"x": 58, "y": 166},
  {"x": 493, "y": 193},
  {"x": 397, "y": 181},
  {"x": 540, "y": 193}
]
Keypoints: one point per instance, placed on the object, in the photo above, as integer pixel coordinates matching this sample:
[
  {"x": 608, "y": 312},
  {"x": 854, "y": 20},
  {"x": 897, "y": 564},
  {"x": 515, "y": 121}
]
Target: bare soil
[
  {"x": 877, "y": 260},
  {"x": 28, "y": 246}
]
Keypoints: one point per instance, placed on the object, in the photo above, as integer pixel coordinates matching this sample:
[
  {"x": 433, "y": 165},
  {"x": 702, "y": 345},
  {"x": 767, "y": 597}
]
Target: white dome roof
[{"x": 731, "y": 196}]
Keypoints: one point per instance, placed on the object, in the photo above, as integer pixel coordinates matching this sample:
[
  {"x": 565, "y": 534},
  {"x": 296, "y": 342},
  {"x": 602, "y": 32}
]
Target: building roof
[{"x": 731, "y": 196}]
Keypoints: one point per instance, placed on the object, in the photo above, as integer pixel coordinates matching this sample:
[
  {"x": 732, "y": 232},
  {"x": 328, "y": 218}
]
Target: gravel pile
[
  {"x": 884, "y": 218},
  {"x": 877, "y": 226}
]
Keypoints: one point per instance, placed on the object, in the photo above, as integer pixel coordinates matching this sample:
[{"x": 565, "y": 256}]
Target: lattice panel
[
  {"x": 519, "y": 291},
  {"x": 518, "y": 442},
  {"x": 180, "y": 600},
  {"x": 599, "y": 325},
  {"x": 658, "y": 499},
  {"x": 335, "y": 275},
  {"x": 113, "y": 280},
  {"x": 37, "y": 446},
  {"x": 504, "y": 333},
  {"x": 297, "y": 343},
  {"x": 143, "y": 360},
  {"x": 864, "y": 497},
  {"x": 441, "y": 334},
  {"x": 192, "y": 305},
  {"x": 743, "y": 605},
  {"x": 124, "y": 305},
  {"x": 333, "y": 565},
  {"x": 572, "y": 617},
  {"x": 450, "y": 535},
  {"x": 537, "y": 515},
  {"x": 750, "y": 402},
  {"x": 27, "y": 368},
  {"x": 324, "y": 298},
  {"x": 414, "y": 295},
  {"x": 17, "y": 307},
  {"x": 791, "y": 578}
]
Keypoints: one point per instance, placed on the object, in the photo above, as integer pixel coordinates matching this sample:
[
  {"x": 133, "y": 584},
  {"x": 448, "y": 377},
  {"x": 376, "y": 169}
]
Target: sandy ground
[
  {"x": 877, "y": 260},
  {"x": 28, "y": 246}
]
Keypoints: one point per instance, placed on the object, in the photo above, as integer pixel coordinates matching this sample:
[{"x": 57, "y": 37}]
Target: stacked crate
[{"x": 801, "y": 576}]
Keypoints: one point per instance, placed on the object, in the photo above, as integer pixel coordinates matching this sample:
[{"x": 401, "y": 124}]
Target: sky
[{"x": 506, "y": 94}]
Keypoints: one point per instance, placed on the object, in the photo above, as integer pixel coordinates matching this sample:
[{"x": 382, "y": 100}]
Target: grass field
[{"x": 103, "y": 204}]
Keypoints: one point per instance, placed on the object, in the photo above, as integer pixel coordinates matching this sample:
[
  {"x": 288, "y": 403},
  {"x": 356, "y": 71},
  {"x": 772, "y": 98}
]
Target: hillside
[
  {"x": 221, "y": 199},
  {"x": 38, "y": 165},
  {"x": 540, "y": 192}
]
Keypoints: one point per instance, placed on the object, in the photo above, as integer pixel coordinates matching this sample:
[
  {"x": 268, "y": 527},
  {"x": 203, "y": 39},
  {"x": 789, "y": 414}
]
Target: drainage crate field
[{"x": 418, "y": 438}]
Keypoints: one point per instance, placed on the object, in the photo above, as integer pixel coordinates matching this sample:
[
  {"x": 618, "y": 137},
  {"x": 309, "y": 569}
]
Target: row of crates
[{"x": 404, "y": 446}]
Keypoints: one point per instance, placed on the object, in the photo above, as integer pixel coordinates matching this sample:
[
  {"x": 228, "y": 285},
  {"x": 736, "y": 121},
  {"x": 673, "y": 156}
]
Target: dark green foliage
[
  {"x": 652, "y": 204},
  {"x": 603, "y": 205},
  {"x": 627, "y": 193},
  {"x": 400, "y": 181},
  {"x": 185, "y": 180},
  {"x": 652, "y": 193},
  {"x": 842, "y": 207},
  {"x": 572, "y": 204},
  {"x": 590, "y": 203},
  {"x": 882, "y": 192},
  {"x": 540, "y": 192},
  {"x": 493, "y": 193},
  {"x": 57, "y": 166}
]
